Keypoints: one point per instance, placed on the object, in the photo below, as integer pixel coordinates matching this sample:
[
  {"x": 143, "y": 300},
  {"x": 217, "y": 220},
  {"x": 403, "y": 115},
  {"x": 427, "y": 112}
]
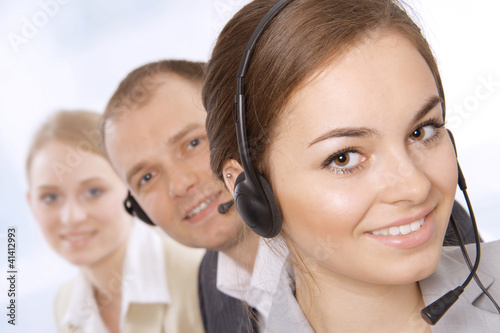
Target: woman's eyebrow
[
  {"x": 345, "y": 132},
  {"x": 365, "y": 132},
  {"x": 427, "y": 107}
]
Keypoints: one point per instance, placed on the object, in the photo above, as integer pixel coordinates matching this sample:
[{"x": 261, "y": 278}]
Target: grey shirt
[{"x": 473, "y": 312}]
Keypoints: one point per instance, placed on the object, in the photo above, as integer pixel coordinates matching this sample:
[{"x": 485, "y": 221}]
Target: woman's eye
[
  {"x": 93, "y": 192},
  {"x": 49, "y": 198},
  {"x": 147, "y": 177},
  {"x": 345, "y": 161},
  {"x": 193, "y": 143},
  {"x": 422, "y": 133}
]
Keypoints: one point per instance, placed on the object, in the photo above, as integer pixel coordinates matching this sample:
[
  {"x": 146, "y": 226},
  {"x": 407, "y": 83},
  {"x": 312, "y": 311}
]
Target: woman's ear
[
  {"x": 231, "y": 170},
  {"x": 28, "y": 198}
]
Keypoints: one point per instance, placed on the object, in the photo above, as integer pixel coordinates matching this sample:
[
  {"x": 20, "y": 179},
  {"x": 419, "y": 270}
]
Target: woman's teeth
[
  {"x": 401, "y": 230},
  {"x": 201, "y": 207}
]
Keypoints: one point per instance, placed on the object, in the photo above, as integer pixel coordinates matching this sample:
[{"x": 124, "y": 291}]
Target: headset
[
  {"x": 253, "y": 196},
  {"x": 255, "y": 201},
  {"x": 132, "y": 207}
]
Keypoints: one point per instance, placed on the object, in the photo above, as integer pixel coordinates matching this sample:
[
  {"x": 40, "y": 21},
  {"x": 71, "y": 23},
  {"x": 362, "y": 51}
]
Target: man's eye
[
  {"x": 147, "y": 177},
  {"x": 193, "y": 143}
]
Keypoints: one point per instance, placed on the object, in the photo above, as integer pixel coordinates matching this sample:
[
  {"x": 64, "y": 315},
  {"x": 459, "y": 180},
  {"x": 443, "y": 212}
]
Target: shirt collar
[
  {"x": 285, "y": 313},
  {"x": 451, "y": 273},
  {"x": 82, "y": 309},
  {"x": 469, "y": 313},
  {"x": 143, "y": 281},
  {"x": 258, "y": 288},
  {"x": 144, "y": 278}
]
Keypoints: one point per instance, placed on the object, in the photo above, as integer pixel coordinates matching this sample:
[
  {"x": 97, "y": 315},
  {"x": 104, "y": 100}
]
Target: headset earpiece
[
  {"x": 253, "y": 195},
  {"x": 257, "y": 206},
  {"x": 132, "y": 207}
]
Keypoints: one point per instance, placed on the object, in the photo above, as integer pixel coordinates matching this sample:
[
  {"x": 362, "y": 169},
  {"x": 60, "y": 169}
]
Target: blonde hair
[{"x": 79, "y": 128}]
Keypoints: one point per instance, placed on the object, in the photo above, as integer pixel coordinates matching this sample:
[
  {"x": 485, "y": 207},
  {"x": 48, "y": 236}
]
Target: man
[{"x": 154, "y": 135}]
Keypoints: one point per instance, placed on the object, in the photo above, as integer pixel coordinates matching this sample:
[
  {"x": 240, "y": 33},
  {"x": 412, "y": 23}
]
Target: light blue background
[{"x": 78, "y": 56}]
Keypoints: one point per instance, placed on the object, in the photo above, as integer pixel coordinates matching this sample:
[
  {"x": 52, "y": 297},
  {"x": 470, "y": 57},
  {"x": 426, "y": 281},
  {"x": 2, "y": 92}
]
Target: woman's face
[
  {"x": 362, "y": 166},
  {"x": 77, "y": 199}
]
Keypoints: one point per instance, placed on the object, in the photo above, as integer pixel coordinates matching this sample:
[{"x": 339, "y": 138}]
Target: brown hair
[
  {"x": 137, "y": 88},
  {"x": 302, "y": 39},
  {"x": 79, "y": 128}
]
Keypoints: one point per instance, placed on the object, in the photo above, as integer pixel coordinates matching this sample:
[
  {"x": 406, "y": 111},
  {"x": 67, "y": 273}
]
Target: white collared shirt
[
  {"x": 256, "y": 289},
  {"x": 143, "y": 281}
]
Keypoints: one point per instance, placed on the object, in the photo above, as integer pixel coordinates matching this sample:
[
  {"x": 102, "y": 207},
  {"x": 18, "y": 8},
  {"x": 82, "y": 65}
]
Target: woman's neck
[
  {"x": 106, "y": 277},
  {"x": 244, "y": 252},
  {"x": 346, "y": 306}
]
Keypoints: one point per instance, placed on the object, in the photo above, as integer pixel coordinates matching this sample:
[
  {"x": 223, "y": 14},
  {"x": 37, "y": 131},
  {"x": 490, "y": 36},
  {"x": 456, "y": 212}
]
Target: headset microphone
[
  {"x": 224, "y": 208},
  {"x": 434, "y": 311}
]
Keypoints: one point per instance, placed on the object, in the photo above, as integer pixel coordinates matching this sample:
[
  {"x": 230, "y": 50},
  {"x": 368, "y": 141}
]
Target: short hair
[{"x": 138, "y": 87}]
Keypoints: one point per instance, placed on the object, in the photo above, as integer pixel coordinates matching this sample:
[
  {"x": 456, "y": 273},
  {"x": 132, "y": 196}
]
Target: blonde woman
[{"x": 131, "y": 277}]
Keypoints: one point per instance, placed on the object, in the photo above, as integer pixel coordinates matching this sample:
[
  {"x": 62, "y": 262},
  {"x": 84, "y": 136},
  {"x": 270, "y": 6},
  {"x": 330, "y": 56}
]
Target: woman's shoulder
[
  {"x": 181, "y": 265},
  {"x": 489, "y": 252},
  {"x": 63, "y": 300},
  {"x": 491, "y": 248}
]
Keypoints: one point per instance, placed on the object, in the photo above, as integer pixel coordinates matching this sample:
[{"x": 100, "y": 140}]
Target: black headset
[
  {"x": 132, "y": 207},
  {"x": 256, "y": 203},
  {"x": 253, "y": 195}
]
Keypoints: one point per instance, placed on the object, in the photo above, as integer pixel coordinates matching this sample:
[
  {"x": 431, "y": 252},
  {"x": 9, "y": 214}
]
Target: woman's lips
[
  {"x": 408, "y": 235},
  {"x": 400, "y": 230},
  {"x": 78, "y": 238}
]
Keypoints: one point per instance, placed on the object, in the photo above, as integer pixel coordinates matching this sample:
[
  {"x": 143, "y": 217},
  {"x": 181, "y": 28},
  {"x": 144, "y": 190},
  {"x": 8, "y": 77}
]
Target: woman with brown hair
[
  {"x": 131, "y": 277},
  {"x": 340, "y": 116}
]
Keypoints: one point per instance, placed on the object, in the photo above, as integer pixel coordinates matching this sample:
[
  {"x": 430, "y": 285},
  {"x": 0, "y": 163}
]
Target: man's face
[{"x": 161, "y": 151}]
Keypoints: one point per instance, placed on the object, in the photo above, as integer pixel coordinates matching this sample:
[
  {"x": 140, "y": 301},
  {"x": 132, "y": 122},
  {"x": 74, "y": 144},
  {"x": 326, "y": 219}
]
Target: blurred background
[{"x": 71, "y": 54}]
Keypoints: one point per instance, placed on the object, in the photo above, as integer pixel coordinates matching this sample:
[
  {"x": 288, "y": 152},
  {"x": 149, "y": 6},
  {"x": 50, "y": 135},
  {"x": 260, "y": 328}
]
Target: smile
[
  {"x": 77, "y": 237},
  {"x": 399, "y": 230},
  {"x": 78, "y": 240},
  {"x": 201, "y": 206}
]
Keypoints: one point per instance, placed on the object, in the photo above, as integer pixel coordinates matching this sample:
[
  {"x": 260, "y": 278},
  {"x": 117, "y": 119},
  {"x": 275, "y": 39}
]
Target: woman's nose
[
  {"x": 404, "y": 180},
  {"x": 73, "y": 212}
]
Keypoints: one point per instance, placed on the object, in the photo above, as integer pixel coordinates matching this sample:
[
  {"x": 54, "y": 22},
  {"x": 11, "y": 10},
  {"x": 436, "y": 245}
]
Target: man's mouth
[{"x": 201, "y": 206}]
